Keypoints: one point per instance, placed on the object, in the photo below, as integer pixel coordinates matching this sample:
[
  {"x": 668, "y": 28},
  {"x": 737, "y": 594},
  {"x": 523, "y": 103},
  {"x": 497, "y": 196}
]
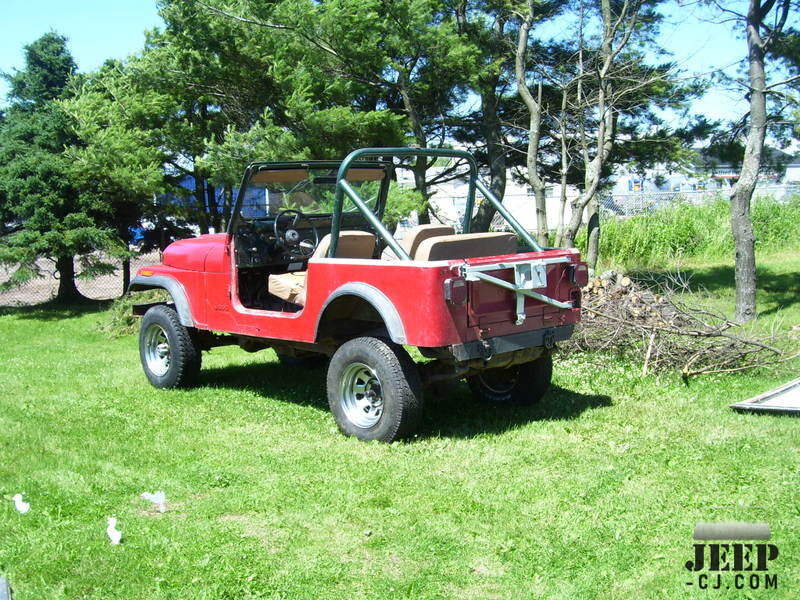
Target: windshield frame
[{"x": 311, "y": 165}]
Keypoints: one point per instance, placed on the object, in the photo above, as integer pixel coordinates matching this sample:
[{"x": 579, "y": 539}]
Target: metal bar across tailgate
[{"x": 529, "y": 275}]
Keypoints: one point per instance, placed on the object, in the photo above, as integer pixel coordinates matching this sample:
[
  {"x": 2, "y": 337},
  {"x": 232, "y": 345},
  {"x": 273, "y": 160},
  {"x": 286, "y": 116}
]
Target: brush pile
[{"x": 652, "y": 323}]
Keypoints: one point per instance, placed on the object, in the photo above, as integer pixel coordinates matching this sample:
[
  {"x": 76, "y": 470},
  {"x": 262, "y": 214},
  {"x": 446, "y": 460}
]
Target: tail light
[{"x": 455, "y": 290}]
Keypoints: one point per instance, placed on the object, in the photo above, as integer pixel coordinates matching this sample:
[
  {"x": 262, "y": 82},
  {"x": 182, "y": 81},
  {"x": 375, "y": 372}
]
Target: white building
[{"x": 449, "y": 199}]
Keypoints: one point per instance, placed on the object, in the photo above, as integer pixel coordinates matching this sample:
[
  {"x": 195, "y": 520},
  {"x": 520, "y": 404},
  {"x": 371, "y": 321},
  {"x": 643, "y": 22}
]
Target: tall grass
[{"x": 693, "y": 231}]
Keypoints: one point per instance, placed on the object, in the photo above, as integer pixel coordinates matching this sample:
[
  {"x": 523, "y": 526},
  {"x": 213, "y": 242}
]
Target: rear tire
[
  {"x": 170, "y": 356},
  {"x": 374, "y": 390},
  {"x": 519, "y": 384}
]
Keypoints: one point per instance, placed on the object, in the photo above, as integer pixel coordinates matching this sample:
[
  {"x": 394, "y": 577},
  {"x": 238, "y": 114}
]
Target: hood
[{"x": 191, "y": 254}]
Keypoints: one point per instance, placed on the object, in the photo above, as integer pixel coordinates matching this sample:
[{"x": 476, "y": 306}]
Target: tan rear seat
[
  {"x": 292, "y": 286},
  {"x": 467, "y": 245},
  {"x": 414, "y": 237},
  {"x": 352, "y": 244}
]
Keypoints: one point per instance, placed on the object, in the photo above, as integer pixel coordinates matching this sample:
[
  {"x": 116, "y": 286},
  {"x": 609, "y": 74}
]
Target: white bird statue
[
  {"x": 113, "y": 533},
  {"x": 21, "y": 506},
  {"x": 159, "y": 499}
]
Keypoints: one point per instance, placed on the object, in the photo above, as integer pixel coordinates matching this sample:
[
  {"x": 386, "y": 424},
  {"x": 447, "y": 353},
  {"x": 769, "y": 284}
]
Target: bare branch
[{"x": 242, "y": 19}]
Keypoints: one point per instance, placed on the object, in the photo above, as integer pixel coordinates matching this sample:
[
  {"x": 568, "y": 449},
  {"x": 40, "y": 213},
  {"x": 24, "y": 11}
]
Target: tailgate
[{"x": 534, "y": 286}]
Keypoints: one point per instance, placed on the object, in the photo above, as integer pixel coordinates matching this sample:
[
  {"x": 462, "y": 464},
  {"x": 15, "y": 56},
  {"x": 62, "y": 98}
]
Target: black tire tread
[
  {"x": 532, "y": 384},
  {"x": 400, "y": 378},
  {"x": 186, "y": 354}
]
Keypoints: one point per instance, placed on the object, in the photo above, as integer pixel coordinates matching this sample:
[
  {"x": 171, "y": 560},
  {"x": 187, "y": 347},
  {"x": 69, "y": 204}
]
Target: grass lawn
[
  {"x": 777, "y": 297},
  {"x": 592, "y": 493}
]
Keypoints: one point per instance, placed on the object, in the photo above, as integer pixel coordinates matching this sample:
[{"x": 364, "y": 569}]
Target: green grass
[
  {"x": 694, "y": 232},
  {"x": 711, "y": 282},
  {"x": 592, "y": 493}
]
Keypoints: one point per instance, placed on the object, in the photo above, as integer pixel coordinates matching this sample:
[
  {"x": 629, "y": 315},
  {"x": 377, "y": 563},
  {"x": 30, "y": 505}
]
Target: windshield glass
[{"x": 309, "y": 190}]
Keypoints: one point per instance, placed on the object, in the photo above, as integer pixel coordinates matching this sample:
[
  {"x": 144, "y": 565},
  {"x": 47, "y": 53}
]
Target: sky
[
  {"x": 701, "y": 46},
  {"x": 96, "y": 29},
  {"x": 102, "y": 29}
]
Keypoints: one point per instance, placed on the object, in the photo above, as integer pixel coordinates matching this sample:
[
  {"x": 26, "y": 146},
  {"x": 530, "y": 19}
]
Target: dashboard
[{"x": 255, "y": 244}]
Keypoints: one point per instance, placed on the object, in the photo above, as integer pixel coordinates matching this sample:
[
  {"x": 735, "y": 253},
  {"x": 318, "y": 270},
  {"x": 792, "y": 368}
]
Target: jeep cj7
[{"x": 308, "y": 268}]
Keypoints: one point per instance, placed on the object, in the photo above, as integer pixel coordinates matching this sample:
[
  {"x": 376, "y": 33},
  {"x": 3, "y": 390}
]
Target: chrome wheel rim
[
  {"x": 156, "y": 350},
  {"x": 361, "y": 396}
]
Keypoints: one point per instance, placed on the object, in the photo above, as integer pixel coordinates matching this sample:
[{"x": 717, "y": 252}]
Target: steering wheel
[{"x": 292, "y": 241}]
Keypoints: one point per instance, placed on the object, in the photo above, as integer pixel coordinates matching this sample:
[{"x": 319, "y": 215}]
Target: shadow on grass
[
  {"x": 302, "y": 386},
  {"x": 457, "y": 415},
  {"x": 56, "y": 311},
  {"x": 782, "y": 289},
  {"x": 452, "y": 413}
]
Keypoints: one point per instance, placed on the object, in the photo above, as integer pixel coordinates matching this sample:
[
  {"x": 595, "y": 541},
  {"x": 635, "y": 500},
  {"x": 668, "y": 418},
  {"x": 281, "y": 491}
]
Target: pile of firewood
[{"x": 654, "y": 324}]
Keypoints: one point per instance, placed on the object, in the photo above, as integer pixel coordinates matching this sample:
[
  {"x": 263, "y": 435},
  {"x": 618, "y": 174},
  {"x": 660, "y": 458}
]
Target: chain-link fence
[
  {"x": 611, "y": 205},
  {"x": 44, "y": 288},
  {"x": 625, "y": 205}
]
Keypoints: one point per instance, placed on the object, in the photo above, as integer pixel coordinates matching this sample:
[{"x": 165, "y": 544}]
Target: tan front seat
[
  {"x": 292, "y": 286},
  {"x": 414, "y": 237},
  {"x": 467, "y": 245}
]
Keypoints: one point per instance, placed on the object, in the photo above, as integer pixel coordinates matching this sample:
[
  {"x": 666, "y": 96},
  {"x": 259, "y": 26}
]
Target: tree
[
  {"x": 209, "y": 94},
  {"x": 118, "y": 163},
  {"x": 533, "y": 104},
  {"x": 39, "y": 197},
  {"x": 763, "y": 25},
  {"x": 400, "y": 56},
  {"x": 491, "y": 129},
  {"x": 608, "y": 95}
]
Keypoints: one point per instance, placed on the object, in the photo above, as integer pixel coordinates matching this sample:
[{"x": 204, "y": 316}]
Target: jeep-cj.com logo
[{"x": 735, "y": 565}]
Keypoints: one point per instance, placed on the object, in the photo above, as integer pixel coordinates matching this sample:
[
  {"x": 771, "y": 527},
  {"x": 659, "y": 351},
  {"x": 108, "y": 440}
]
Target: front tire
[
  {"x": 519, "y": 384},
  {"x": 374, "y": 390},
  {"x": 170, "y": 356}
]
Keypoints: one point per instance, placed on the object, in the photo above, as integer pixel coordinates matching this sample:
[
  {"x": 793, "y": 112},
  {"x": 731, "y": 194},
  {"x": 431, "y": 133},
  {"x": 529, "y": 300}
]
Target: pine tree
[{"x": 44, "y": 215}]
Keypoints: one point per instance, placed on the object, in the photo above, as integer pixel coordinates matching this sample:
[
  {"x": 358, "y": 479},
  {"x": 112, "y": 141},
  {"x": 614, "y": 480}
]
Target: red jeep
[{"x": 308, "y": 269}]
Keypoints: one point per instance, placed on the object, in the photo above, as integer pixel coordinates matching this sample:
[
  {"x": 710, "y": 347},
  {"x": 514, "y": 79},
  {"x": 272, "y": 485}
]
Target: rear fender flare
[
  {"x": 378, "y": 300},
  {"x": 175, "y": 289}
]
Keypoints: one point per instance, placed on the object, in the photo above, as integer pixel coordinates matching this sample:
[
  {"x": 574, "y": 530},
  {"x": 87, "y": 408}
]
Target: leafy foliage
[
  {"x": 50, "y": 215},
  {"x": 401, "y": 202},
  {"x": 119, "y": 319}
]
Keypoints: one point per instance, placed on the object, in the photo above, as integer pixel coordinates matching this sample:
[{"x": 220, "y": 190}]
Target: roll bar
[{"x": 343, "y": 187}]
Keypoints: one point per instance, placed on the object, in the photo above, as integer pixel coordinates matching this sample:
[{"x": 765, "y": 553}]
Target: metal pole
[{"x": 373, "y": 220}]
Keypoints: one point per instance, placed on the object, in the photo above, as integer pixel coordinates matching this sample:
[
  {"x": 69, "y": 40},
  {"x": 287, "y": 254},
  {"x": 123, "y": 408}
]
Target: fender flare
[
  {"x": 175, "y": 289},
  {"x": 379, "y": 302}
]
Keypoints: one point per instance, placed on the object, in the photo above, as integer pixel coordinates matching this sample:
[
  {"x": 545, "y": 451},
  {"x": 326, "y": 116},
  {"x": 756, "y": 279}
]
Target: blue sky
[
  {"x": 97, "y": 29},
  {"x": 101, "y": 29}
]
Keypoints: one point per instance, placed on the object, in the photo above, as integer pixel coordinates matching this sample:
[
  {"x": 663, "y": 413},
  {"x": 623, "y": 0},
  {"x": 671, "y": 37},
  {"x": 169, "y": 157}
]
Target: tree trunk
[
  {"x": 420, "y": 167},
  {"x": 126, "y": 275},
  {"x": 562, "y": 205},
  {"x": 541, "y": 216},
  {"x": 200, "y": 202},
  {"x": 213, "y": 209},
  {"x": 227, "y": 206},
  {"x": 745, "y": 256},
  {"x": 495, "y": 154},
  {"x": 534, "y": 106},
  {"x": 67, "y": 290},
  {"x": 593, "y": 233},
  {"x": 562, "y": 211},
  {"x": 741, "y": 221}
]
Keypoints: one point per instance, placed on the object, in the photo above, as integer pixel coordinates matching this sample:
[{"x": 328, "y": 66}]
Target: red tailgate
[{"x": 553, "y": 276}]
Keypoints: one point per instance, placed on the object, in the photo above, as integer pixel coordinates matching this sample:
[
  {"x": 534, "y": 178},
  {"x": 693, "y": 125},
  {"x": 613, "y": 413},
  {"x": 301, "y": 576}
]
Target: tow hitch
[{"x": 528, "y": 276}]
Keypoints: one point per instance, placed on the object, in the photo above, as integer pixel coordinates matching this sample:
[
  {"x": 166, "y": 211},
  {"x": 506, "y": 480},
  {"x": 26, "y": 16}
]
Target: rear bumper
[{"x": 511, "y": 343}]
